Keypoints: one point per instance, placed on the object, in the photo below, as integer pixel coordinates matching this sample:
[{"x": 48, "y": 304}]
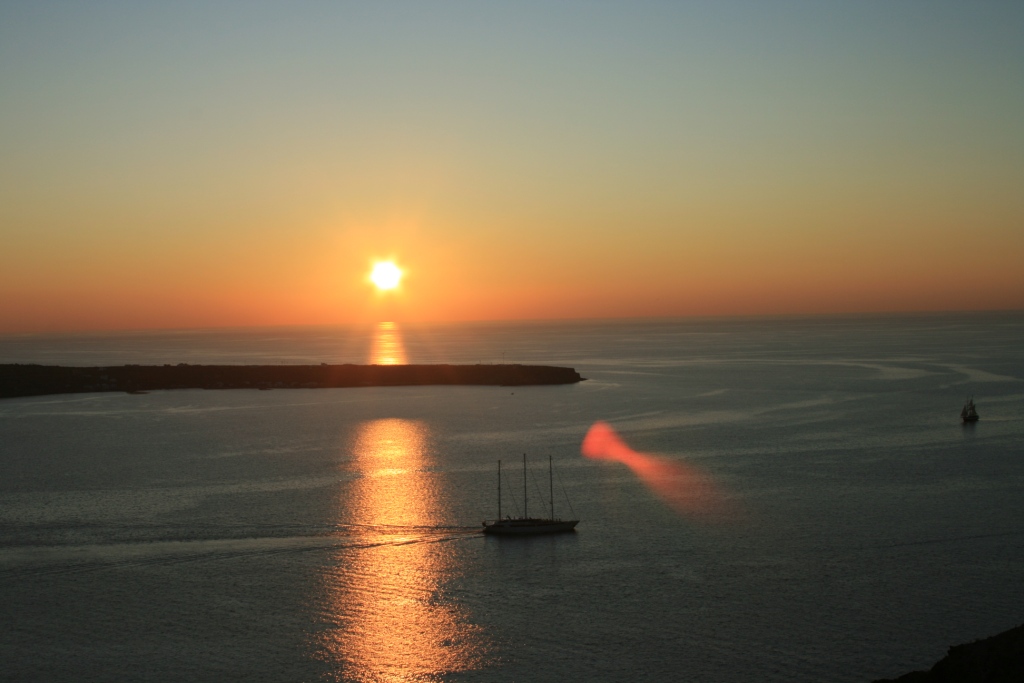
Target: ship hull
[{"x": 529, "y": 527}]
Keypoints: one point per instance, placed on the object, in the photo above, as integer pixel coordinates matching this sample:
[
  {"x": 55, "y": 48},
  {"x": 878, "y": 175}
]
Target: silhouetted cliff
[
  {"x": 999, "y": 659},
  {"x": 36, "y": 380}
]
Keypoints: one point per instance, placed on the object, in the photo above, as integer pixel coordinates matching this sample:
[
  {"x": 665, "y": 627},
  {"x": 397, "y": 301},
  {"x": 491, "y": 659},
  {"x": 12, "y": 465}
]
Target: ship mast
[
  {"x": 525, "y": 513},
  {"x": 499, "y": 490},
  {"x": 551, "y": 487}
]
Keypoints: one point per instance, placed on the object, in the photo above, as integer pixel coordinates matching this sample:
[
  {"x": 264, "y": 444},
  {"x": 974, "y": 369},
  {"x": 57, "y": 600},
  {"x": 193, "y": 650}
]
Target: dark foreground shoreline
[
  {"x": 999, "y": 659},
  {"x": 38, "y": 380}
]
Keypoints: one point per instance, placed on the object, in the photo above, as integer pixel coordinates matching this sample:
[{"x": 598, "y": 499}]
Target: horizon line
[{"x": 496, "y": 321}]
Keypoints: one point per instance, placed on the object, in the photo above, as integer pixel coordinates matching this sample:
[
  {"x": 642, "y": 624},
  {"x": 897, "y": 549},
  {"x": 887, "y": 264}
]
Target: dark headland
[
  {"x": 37, "y": 380},
  {"x": 999, "y": 659}
]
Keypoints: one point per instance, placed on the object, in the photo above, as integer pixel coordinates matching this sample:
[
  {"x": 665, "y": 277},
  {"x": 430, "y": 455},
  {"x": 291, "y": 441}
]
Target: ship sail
[{"x": 969, "y": 413}]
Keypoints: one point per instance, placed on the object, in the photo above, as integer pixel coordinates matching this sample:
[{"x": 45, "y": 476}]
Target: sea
[{"x": 334, "y": 534}]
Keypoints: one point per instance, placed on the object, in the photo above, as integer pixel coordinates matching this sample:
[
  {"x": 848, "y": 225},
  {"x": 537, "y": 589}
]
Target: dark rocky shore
[
  {"x": 999, "y": 659},
  {"x": 38, "y": 380}
]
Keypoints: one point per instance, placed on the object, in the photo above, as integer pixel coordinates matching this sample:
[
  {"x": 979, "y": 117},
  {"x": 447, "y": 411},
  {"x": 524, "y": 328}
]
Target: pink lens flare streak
[{"x": 682, "y": 487}]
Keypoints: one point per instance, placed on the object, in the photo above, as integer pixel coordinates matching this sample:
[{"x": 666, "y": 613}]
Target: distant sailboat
[
  {"x": 969, "y": 412},
  {"x": 526, "y": 525}
]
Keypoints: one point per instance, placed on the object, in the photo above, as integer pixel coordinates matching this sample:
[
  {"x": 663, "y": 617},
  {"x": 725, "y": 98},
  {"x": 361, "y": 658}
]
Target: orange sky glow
[{"x": 651, "y": 161}]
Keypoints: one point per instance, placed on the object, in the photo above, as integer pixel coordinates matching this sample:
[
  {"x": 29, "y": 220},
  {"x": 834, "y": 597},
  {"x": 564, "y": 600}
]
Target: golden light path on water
[
  {"x": 389, "y": 617},
  {"x": 387, "y": 347}
]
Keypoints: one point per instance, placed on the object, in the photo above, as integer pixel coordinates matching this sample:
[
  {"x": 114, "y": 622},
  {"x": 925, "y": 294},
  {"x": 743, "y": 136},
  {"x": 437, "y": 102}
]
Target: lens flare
[{"x": 680, "y": 486}]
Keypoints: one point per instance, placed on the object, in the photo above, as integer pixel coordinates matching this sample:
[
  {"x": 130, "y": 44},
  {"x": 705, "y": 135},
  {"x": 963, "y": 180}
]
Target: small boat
[
  {"x": 969, "y": 412},
  {"x": 526, "y": 525}
]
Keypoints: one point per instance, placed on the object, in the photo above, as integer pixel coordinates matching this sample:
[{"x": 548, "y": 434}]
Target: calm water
[{"x": 311, "y": 535}]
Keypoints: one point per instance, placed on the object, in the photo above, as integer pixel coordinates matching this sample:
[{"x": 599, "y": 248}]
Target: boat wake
[{"x": 30, "y": 561}]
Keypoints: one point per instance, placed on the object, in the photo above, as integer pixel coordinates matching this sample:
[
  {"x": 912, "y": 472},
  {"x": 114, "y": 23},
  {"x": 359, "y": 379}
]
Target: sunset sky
[{"x": 178, "y": 164}]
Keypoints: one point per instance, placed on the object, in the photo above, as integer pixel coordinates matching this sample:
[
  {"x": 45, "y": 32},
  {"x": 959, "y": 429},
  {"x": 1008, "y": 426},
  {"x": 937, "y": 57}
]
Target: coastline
[{"x": 21, "y": 380}]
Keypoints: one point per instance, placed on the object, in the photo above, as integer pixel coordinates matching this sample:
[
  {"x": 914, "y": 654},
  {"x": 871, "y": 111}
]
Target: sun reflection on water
[
  {"x": 387, "y": 348},
  {"x": 384, "y": 601}
]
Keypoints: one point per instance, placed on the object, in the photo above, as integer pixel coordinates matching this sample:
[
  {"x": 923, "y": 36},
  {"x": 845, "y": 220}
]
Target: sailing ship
[
  {"x": 526, "y": 525},
  {"x": 969, "y": 412}
]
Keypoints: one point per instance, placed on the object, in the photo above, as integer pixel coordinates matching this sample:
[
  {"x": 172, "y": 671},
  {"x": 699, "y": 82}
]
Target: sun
[{"x": 386, "y": 275}]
